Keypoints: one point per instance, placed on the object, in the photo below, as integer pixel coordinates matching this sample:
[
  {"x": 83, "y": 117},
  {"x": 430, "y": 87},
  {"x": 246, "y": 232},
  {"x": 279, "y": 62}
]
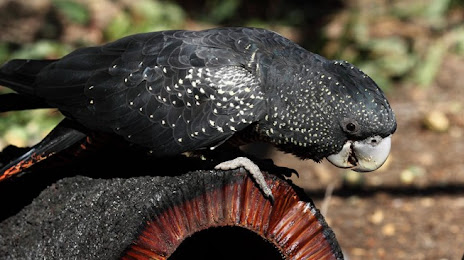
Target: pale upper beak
[{"x": 363, "y": 156}]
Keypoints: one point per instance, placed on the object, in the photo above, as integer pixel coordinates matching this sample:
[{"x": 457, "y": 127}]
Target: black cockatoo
[{"x": 178, "y": 91}]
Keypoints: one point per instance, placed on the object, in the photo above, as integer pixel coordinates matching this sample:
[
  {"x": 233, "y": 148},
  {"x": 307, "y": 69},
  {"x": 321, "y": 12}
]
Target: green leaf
[
  {"x": 391, "y": 55},
  {"x": 145, "y": 16},
  {"x": 119, "y": 27},
  {"x": 4, "y": 51},
  {"x": 223, "y": 10},
  {"x": 428, "y": 68},
  {"x": 40, "y": 50},
  {"x": 74, "y": 11}
]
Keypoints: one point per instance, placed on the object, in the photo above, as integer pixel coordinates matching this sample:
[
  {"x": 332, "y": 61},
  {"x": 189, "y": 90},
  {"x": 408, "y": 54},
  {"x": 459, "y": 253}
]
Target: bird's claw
[{"x": 254, "y": 171}]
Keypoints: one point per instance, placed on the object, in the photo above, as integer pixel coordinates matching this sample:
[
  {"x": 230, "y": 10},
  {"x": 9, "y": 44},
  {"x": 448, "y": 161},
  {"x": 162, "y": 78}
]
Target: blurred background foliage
[{"x": 398, "y": 43}]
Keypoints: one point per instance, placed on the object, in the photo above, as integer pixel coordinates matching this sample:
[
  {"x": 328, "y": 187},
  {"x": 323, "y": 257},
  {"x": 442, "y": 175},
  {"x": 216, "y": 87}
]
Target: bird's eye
[{"x": 350, "y": 126}]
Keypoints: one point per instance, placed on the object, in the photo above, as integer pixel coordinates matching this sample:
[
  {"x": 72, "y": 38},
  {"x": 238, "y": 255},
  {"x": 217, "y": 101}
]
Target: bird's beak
[{"x": 363, "y": 156}]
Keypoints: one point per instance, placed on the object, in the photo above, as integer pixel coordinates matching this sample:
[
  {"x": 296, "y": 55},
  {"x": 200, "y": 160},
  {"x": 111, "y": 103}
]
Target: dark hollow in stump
[
  {"x": 158, "y": 217},
  {"x": 216, "y": 199}
]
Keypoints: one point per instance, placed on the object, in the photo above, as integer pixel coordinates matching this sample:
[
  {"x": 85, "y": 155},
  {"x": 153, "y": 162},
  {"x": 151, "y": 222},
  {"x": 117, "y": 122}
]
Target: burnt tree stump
[{"x": 95, "y": 210}]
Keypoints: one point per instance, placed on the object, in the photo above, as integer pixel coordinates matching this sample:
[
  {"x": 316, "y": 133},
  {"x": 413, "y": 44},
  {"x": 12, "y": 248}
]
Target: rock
[{"x": 436, "y": 121}]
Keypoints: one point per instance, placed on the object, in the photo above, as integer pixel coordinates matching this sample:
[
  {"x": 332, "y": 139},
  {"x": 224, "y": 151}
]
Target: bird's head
[{"x": 331, "y": 110}]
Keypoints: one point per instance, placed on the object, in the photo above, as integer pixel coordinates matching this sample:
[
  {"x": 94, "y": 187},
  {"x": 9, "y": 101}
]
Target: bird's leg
[{"x": 254, "y": 171}]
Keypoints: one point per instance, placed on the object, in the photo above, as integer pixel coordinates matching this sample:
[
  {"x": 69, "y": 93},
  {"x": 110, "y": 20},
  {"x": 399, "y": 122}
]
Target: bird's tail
[
  {"x": 13, "y": 102},
  {"x": 20, "y": 76},
  {"x": 60, "y": 139}
]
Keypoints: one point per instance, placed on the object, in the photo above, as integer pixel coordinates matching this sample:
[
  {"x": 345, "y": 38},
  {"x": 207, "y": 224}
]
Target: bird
[{"x": 179, "y": 91}]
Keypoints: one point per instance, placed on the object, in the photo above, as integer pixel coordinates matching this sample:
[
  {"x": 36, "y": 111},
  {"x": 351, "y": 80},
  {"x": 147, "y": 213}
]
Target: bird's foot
[{"x": 254, "y": 171}]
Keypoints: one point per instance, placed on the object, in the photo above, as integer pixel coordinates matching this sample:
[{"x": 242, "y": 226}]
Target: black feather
[{"x": 177, "y": 91}]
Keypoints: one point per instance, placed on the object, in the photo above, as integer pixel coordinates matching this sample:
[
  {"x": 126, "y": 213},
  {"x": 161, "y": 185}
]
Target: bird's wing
[{"x": 172, "y": 91}]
